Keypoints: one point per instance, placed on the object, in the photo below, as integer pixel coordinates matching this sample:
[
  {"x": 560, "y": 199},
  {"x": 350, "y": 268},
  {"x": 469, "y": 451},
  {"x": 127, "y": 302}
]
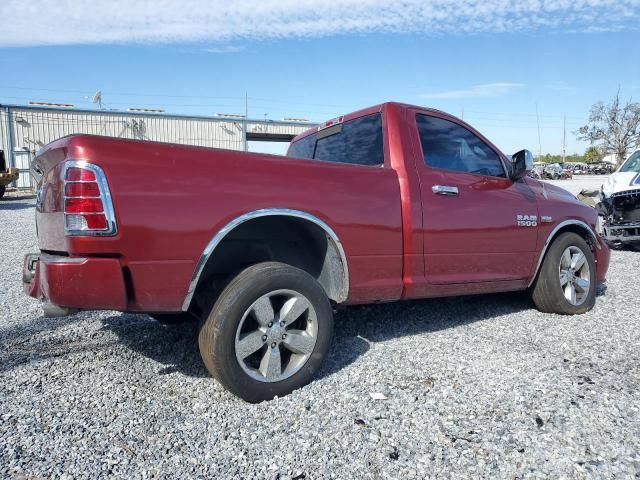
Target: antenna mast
[
  {"x": 564, "y": 138},
  {"x": 97, "y": 99}
]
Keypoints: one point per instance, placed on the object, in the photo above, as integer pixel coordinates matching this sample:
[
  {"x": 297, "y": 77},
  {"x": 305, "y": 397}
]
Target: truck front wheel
[
  {"x": 566, "y": 283},
  {"x": 268, "y": 332}
]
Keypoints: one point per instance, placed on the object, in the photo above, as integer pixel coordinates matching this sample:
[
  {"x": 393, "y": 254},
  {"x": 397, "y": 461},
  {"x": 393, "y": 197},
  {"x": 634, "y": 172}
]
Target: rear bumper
[{"x": 72, "y": 283}]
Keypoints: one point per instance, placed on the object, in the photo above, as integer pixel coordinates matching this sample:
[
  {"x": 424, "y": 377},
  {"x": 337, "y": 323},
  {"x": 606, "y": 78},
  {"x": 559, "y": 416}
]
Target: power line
[
  {"x": 85, "y": 92},
  {"x": 268, "y": 101}
]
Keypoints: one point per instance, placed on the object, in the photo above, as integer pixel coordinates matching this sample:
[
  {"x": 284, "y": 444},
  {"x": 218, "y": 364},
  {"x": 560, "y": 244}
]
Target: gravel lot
[{"x": 477, "y": 387}]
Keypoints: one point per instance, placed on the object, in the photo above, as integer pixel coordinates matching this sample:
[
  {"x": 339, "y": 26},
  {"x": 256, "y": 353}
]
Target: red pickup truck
[{"x": 389, "y": 203}]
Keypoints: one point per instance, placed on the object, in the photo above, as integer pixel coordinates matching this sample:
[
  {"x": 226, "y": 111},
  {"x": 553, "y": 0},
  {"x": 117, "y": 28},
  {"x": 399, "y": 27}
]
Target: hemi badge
[{"x": 546, "y": 219}]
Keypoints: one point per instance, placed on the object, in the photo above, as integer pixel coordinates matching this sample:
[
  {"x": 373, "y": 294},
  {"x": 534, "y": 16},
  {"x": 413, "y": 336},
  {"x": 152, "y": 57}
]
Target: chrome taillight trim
[{"x": 105, "y": 196}]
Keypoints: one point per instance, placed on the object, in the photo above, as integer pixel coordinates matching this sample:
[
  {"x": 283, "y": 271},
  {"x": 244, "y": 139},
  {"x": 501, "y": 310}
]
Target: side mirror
[{"x": 521, "y": 164}]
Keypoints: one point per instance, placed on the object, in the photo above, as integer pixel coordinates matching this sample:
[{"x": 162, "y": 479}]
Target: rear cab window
[{"x": 356, "y": 142}]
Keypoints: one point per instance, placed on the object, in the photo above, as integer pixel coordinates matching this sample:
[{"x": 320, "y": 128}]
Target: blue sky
[{"x": 492, "y": 60}]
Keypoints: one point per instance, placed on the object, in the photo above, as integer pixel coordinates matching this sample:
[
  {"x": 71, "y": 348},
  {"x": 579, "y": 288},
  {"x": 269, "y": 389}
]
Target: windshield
[{"x": 632, "y": 164}]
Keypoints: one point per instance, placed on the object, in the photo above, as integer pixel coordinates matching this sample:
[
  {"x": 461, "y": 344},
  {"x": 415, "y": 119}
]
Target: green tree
[
  {"x": 592, "y": 155},
  {"x": 613, "y": 128}
]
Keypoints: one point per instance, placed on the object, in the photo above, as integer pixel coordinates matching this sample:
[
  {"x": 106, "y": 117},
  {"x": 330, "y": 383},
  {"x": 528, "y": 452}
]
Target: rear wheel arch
[{"x": 289, "y": 236}]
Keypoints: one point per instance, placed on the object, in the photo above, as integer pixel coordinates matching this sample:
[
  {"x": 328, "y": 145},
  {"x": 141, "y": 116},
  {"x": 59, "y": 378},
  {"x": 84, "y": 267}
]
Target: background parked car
[
  {"x": 567, "y": 173},
  {"x": 552, "y": 171},
  {"x": 580, "y": 169}
]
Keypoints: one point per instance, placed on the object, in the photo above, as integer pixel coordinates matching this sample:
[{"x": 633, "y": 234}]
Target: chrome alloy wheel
[
  {"x": 276, "y": 335},
  {"x": 575, "y": 275}
]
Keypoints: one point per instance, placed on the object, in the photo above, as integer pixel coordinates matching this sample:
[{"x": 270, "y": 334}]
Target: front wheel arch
[
  {"x": 573, "y": 226},
  {"x": 549, "y": 293}
]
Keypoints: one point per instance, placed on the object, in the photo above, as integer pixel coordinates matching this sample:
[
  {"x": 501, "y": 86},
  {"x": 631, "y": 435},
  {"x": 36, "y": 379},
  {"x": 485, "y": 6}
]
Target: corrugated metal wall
[{"x": 33, "y": 127}]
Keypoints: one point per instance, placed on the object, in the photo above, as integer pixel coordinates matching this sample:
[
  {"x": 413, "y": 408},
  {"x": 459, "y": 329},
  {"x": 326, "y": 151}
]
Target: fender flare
[
  {"x": 553, "y": 233},
  {"x": 267, "y": 212}
]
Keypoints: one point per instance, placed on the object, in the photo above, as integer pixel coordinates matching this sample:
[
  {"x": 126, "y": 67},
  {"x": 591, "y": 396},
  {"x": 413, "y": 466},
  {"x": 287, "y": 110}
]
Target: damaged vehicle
[
  {"x": 618, "y": 204},
  {"x": 394, "y": 202}
]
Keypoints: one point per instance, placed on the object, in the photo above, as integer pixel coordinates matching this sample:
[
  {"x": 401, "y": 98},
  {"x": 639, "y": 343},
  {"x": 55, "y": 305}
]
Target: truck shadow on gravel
[
  {"x": 34, "y": 341},
  {"x": 357, "y": 327},
  {"x": 15, "y": 205},
  {"x": 175, "y": 346}
]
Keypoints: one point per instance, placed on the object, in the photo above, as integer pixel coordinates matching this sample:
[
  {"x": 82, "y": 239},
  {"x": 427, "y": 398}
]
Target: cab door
[{"x": 478, "y": 225}]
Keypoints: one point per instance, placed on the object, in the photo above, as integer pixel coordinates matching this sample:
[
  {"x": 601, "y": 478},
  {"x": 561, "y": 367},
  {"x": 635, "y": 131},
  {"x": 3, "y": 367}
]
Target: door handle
[{"x": 445, "y": 190}]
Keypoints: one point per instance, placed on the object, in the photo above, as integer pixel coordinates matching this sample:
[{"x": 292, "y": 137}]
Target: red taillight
[
  {"x": 83, "y": 205},
  {"x": 82, "y": 190},
  {"x": 77, "y": 174},
  {"x": 87, "y": 203}
]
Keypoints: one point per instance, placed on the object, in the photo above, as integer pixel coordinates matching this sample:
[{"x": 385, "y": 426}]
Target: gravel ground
[{"x": 478, "y": 387}]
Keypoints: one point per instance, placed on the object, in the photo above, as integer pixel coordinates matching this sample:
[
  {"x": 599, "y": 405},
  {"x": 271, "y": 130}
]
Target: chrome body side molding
[
  {"x": 558, "y": 227},
  {"x": 267, "y": 212}
]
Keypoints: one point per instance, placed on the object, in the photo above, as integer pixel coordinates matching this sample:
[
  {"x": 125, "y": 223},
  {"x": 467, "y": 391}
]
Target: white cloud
[
  {"x": 63, "y": 22},
  {"x": 486, "y": 90},
  {"x": 225, "y": 49}
]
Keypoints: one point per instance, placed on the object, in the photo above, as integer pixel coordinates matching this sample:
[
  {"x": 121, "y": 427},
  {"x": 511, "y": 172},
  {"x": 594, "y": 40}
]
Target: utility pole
[
  {"x": 539, "y": 139},
  {"x": 564, "y": 138},
  {"x": 244, "y": 122},
  {"x": 462, "y": 117}
]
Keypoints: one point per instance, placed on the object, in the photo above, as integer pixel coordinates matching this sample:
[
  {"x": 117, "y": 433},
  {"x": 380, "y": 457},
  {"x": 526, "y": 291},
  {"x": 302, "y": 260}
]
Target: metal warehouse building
[{"x": 24, "y": 129}]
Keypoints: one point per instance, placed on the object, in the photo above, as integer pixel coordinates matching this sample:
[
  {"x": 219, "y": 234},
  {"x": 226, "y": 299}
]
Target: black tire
[
  {"x": 217, "y": 338},
  {"x": 548, "y": 295},
  {"x": 173, "y": 318},
  {"x": 2, "y": 190}
]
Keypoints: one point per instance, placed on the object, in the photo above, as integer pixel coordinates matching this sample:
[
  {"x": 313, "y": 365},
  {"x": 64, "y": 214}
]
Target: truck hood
[
  {"x": 620, "y": 182},
  {"x": 558, "y": 193}
]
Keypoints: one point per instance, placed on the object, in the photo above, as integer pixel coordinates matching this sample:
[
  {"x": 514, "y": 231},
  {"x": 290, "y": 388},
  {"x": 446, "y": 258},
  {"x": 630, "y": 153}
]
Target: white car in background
[
  {"x": 625, "y": 178},
  {"x": 619, "y": 203}
]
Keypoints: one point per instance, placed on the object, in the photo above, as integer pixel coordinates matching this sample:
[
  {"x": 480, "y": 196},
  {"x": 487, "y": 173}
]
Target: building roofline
[{"x": 155, "y": 115}]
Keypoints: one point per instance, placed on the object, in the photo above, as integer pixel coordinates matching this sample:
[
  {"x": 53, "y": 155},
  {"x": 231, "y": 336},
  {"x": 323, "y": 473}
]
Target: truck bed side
[{"x": 171, "y": 200}]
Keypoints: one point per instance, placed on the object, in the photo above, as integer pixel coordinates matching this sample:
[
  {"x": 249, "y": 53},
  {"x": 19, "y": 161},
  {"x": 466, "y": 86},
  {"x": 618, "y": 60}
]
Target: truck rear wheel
[
  {"x": 566, "y": 283},
  {"x": 268, "y": 333}
]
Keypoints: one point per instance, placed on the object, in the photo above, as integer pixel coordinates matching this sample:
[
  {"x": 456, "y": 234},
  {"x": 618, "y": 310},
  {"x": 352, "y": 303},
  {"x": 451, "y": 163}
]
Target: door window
[{"x": 450, "y": 146}]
